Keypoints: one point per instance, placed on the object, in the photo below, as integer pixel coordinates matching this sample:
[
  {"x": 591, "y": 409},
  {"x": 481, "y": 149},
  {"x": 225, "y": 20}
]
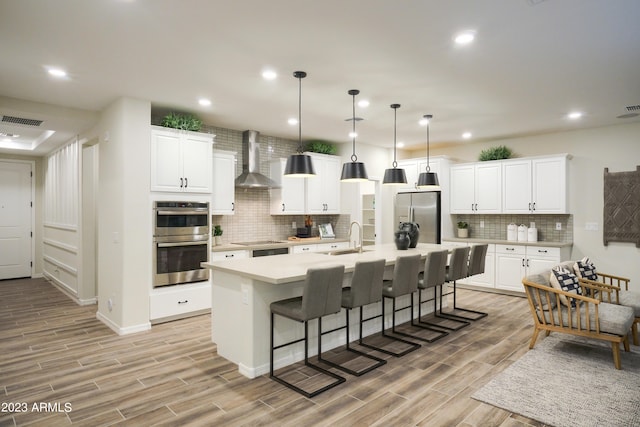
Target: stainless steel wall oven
[{"x": 180, "y": 242}]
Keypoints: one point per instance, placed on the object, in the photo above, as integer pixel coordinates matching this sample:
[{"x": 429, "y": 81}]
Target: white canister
[
  {"x": 522, "y": 233},
  {"x": 532, "y": 235},
  {"x": 512, "y": 232}
]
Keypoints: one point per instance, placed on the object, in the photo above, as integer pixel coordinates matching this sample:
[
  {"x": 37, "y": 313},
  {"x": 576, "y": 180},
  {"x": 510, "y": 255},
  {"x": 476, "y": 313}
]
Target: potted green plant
[
  {"x": 182, "y": 121},
  {"x": 463, "y": 229},
  {"x": 320, "y": 146},
  {"x": 217, "y": 235},
  {"x": 500, "y": 152}
]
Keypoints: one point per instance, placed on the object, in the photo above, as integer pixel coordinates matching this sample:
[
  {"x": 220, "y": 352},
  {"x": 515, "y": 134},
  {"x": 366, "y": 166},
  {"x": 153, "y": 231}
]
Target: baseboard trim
[{"x": 120, "y": 330}]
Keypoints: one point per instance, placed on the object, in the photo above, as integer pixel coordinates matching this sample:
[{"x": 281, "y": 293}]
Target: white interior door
[{"x": 15, "y": 220}]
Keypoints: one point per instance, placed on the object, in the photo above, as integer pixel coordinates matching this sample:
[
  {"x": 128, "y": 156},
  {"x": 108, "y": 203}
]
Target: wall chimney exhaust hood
[{"x": 251, "y": 176}]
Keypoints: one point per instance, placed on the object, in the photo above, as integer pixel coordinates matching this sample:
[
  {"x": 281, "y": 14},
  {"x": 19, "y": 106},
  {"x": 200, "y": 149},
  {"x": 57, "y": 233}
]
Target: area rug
[{"x": 566, "y": 381}]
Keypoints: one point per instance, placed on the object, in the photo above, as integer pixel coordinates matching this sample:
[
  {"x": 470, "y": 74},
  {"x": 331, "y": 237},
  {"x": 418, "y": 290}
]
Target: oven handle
[
  {"x": 172, "y": 245},
  {"x": 195, "y": 211}
]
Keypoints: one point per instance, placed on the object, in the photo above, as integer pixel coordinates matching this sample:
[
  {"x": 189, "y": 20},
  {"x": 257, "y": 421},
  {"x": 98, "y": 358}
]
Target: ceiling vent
[
  {"x": 633, "y": 108},
  {"x": 21, "y": 121}
]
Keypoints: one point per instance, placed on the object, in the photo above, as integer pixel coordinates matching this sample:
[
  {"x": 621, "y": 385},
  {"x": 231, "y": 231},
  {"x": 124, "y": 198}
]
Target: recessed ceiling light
[
  {"x": 269, "y": 75},
  {"x": 465, "y": 37},
  {"x": 204, "y": 102},
  {"x": 363, "y": 103},
  {"x": 467, "y": 135},
  {"x": 400, "y": 144},
  {"x": 292, "y": 121},
  {"x": 57, "y": 72},
  {"x": 574, "y": 115},
  {"x": 423, "y": 122}
]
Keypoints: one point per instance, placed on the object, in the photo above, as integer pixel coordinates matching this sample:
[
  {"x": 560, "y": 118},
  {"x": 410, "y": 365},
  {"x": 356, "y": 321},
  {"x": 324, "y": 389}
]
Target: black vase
[
  {"x": 414, "y": 232},
  {"x": 403, "y": 241}
]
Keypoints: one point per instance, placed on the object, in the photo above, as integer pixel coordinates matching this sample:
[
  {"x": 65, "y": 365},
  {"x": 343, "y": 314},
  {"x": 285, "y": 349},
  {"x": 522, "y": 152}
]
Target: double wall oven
[{"x": 180, "y": 242}]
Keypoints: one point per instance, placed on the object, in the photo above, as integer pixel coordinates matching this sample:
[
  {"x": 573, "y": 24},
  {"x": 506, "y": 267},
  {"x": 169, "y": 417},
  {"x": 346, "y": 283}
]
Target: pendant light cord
[
  {"x": 299, "y": 114},
  {"x": 428, "y": 117},
  {"x": 353, "y": 133},
  {"x": 395, "y": 121}
]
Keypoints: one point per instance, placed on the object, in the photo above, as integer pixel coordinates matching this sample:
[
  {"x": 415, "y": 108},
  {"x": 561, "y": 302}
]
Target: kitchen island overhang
[{"x": 243, "y": 289}]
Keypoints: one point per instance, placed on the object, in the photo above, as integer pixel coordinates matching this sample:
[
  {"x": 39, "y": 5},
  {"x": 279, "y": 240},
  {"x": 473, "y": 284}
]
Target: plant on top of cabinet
[
  {"x": 500, "y": 152},
  {"x": 321, "y": 147},
  {"x": 182, "y": 121}
]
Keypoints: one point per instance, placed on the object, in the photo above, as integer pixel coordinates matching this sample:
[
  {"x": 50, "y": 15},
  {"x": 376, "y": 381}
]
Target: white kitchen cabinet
[
  {"x": 223, "y": 188},
  {"x": 513, "y": 262},
  {"x": 181, "y": 161},
  {"x": 289, "y": 199},
  {"x": 486, "y": 279},
  {"x": 304, "y": 249},
  {"x": 323, "y": 190},
  {"x": 476, "y": 188},
  {"x": 333, "y": 246},
  {"x": 174, "y": 302},
  {"x": 537, "y": 185},
  {"x": 410, "y": 167},
  {"x": 232, "y": 254}
]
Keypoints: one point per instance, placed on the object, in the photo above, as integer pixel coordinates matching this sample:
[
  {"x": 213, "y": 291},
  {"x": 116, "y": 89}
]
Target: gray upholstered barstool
[
  {"x": 365, "y": 289},
  {"x": 457, "y": 269},
  {"x": 405, "y": 282},
  {"x": 477, "y": 260},
  {"x": 321, "y": 296},
  {"x": 433, "y": 277}
]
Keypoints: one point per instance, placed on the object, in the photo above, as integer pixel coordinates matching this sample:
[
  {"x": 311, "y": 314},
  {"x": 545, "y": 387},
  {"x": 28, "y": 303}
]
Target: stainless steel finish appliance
[
  {"x": 180, "y": 242},
  {"x": 422, "y": 208},
  {"x": 268, "y": 252},
  {"x": 251, "y": 176},
  {"x": 273, "y": 250}
]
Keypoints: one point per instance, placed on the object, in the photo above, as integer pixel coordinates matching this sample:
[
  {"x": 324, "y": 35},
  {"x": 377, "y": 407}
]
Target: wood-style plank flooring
[{"x": 55, "y": 352}]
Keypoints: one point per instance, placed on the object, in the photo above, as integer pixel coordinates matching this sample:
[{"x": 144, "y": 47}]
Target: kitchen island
[{"x": 243, "y": 289}]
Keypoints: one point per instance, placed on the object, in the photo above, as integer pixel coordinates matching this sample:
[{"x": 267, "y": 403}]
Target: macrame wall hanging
[{"x": 621, "y": 207}]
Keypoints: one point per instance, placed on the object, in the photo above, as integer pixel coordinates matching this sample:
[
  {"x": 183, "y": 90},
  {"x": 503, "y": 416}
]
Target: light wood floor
[{"x": 53, "y": 351}]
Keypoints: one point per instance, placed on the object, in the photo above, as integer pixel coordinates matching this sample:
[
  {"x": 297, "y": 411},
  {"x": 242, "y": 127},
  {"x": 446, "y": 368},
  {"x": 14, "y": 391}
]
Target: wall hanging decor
[{"x": 621, "y": 216}]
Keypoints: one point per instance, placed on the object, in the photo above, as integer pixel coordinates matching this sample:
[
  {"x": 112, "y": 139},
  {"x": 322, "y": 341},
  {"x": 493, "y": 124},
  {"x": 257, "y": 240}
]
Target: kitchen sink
[{"x": 346, "y": 251}]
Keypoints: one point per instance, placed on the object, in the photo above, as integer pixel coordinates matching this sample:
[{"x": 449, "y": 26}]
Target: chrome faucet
[{"x": 359, "y": 235}]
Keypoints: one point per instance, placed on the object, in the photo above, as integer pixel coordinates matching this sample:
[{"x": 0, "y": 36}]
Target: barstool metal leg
[
  {"x": 455, "y": 307},
  {"x": 413, "y": 346},
  {"x": 440, "y": 315}
]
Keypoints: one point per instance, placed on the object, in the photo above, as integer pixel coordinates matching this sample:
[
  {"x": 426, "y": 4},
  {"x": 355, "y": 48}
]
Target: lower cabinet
[
  {"x": 513, "y": 262},
  {"x": 223, "y": 255},
  {"x": 319, "y": 247},
  {"x": 179, "y": 301},
  {"x": 486, "y": 279}
]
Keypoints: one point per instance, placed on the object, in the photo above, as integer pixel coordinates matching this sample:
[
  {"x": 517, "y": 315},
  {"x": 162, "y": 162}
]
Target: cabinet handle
[
  {"x": 305, "y": 249},
  {"x": 229, "y": 256},
  {"x": 233, "y": 207},
  {"x": 186, "y": 183},
  {"x": 510, "y": 249},
  {"x": 183, "y": 302},
  {"x": 530, "y": 207},
  {"x": 472, "y": 206},
  {"x": 181, "y": 183},
  {"x": 542, "y": 251},
  {"x": 523, "y": 262},
  {"x": 527, "y": 262},
  {"x": 534, "y": 206},
  {"x": 283, "y": 207}
]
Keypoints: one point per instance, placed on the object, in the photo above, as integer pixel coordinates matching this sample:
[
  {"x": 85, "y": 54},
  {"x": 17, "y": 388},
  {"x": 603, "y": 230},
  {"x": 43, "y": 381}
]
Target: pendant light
[
  {"x": 299, "y": 165},
  {"x": 354, "y": 171},
  {"x": 394, "y": 175},
  {"x": 428, "y": 180}
]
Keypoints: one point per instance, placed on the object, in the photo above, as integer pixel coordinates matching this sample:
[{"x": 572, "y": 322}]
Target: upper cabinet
[
  {"x": 180, "y": 161},
  {"x": 289, "y": 199},
  {"x": 537, "y": 185},
  {"x": 316, "y": 195},
  {"x": 223, "y": 188},
  {"x": 323, "y": 190},
  {"x": 476, "y": 188}
]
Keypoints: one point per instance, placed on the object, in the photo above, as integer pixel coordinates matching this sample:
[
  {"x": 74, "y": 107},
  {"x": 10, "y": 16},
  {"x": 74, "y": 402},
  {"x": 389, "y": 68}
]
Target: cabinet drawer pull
[
  {"x": 183, "y": 302},
  {"x": 510, "y": 249},
  {"x": 542, "y": 251},
  {"x": 229, "y": 256},
  {"x": 305, "y": 249}
]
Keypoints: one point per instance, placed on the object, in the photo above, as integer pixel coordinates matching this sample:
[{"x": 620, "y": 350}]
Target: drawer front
[
  {"x": 221, "y": 256},
  {"x": 180, "y": 301},
  {"x": 543, "y": 251},
  {"x": 325, "y": 247},
  {"x": 303, "y": 249},
  {"x": 511, "y": 249}
]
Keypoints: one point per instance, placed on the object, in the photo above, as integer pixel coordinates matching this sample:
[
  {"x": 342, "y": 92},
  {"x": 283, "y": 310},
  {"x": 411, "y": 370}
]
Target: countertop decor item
[
  {"x": 414, "y": 232},
  {"x": 394, "y": 175},
  {"x": 217, "y": 235},
  {"x": 299, "y": 165},
  {"x": 500, "y": 152},
  {"x": 402, "y": 240},
  {"x": 428, "y": 180},
  {"x": 463, "y": 229},
  {"x": 354, "y": 171},
  {"x": 182, "y": 121}
]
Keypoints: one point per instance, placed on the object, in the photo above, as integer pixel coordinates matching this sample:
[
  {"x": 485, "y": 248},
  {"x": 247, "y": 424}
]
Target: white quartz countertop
[
  {"x": 279, "y": 269},
  {"x": 508, "y": 242}
]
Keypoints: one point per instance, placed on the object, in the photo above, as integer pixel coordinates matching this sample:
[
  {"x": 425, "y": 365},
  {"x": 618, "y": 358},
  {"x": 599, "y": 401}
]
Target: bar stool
[
  {"x": 433, "y": 277},
  {"x": 457, "y": 269},
  {"x": 321, "y": 296},
  {"x": 405, "y": 282},
  {"x": 366, "y": 288},
  {"x": 476, "y": 266}
]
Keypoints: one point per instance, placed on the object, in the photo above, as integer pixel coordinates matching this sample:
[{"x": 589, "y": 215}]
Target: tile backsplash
[
  {"x": 252, "y": 220},
  {"x": 495, "y": 226}
]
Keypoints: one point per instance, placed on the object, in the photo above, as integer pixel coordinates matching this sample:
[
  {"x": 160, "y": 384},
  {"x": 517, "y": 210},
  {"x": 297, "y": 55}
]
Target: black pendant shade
[
  {"x": 299, "y": 165},
  {"x": 354, "y": 171},
  {"x": 428, "y": 180},
  {"x": 394, "y": 175}
]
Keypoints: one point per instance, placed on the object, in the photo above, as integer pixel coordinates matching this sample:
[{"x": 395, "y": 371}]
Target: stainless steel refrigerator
[{"x": 422, "y": 208}]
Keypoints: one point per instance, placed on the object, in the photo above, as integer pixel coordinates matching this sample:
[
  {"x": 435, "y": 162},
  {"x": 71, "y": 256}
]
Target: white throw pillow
[{"x": 563, "y": 279}]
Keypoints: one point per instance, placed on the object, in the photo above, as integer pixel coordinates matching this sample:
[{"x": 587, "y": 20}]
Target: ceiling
[{"x": 532, "y": 62}]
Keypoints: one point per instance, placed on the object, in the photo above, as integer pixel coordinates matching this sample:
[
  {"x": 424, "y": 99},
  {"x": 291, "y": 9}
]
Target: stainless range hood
[{"x": 251, "y": 176}]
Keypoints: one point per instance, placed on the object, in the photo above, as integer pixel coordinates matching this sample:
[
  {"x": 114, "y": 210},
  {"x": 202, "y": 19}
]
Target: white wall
[
  {"x": 615, "y": 147},
  {"x": 124, "y": 230}
]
